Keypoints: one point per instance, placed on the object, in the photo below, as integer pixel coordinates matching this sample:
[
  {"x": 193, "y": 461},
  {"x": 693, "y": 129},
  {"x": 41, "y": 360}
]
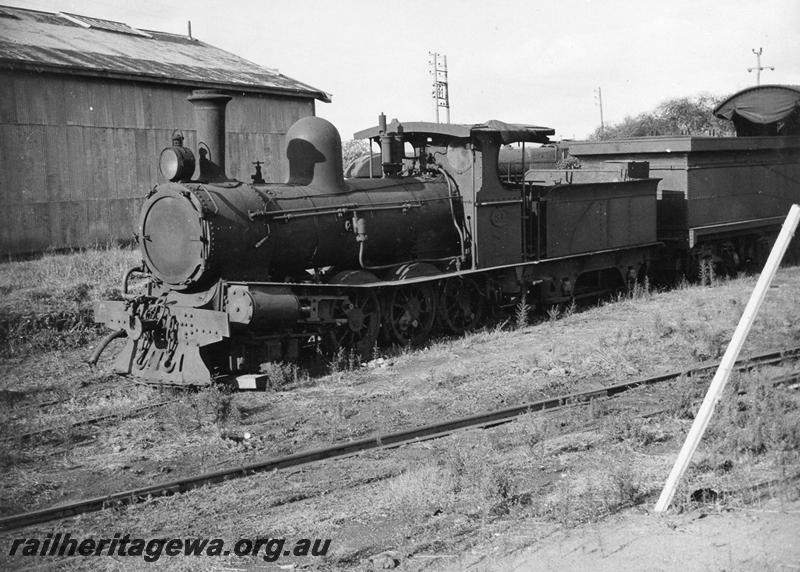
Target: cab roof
[{"x": 507, "y": 132}]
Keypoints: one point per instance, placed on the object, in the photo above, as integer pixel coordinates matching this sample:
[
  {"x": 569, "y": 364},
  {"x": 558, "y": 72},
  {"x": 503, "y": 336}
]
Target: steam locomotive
[
  {"x": 242, "y": 274},
  {"x": 429, "y": 233}
]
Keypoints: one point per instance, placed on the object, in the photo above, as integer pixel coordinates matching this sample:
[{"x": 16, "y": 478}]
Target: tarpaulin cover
[{"x": 762, "y": 104}]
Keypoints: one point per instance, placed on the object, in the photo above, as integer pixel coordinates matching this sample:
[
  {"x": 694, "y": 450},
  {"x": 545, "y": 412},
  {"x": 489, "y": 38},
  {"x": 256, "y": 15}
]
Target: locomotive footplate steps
[{"x": 164, "y": 341}]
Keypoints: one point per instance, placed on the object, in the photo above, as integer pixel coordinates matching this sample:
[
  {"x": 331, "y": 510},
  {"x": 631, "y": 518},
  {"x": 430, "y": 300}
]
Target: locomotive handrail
[
  {"x": 128, "y": 273},
  {"x": 496, "y": 203},
  {"x": 210, "y": 197},
  {"x": 289, "y": 214},
  {"x": 312, "y": 210}
]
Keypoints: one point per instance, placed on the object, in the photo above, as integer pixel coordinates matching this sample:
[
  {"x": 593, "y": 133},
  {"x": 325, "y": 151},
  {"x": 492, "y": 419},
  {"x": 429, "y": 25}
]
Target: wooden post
[{"x": 729, "y": 359}]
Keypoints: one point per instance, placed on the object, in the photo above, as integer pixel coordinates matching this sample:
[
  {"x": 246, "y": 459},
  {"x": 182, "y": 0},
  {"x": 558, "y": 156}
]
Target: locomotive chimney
[
  {"x": 314, "y": 150},
  {"x": 209, "y": 116}
]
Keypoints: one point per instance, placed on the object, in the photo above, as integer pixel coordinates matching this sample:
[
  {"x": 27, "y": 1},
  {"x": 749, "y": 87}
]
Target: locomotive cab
[{"x": 519, "y": 206}]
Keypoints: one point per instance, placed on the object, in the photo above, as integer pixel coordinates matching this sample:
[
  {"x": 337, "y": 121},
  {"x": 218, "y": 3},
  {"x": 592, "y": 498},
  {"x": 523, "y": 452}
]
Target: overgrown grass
[
  {"x": 581, "y": 465},
  {"x": 280, "y": 374},
  {"x": 46, "y": 302},
  {"x": 550, "y": 470},
  {"x": 758, "y": 418}
]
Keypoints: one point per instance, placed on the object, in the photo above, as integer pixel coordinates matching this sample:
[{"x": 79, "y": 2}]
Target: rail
[{"x": 391, "y": 440}]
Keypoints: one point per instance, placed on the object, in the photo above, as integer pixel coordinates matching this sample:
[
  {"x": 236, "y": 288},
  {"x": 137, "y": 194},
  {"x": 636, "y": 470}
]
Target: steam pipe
[
  {"x": 104, "y": 344},
  {"x": 396, "y": 264},
  {"x": 453, "y": 212}
]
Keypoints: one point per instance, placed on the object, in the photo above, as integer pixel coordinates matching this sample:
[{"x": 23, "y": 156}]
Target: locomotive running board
[{"x": 460, "y": 273}]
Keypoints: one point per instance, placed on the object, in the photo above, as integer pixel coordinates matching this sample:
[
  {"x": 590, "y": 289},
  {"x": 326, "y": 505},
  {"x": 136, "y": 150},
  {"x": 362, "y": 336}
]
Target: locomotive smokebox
[
  {"x": 314, "y": 150},
  {"x": 209, "y": 114}
]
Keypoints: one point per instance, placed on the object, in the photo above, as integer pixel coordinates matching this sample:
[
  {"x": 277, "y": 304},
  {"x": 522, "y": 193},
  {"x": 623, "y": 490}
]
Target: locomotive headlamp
[{"x": 176, "y": 163}]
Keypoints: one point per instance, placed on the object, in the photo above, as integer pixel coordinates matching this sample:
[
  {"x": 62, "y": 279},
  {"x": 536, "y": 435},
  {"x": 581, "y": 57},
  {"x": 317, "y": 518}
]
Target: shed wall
[{"x": 78, "y": 154}]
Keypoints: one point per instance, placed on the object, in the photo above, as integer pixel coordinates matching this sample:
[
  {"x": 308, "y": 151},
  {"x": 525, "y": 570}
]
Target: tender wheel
[
  {"x": 410, "y": 314},
  {"x": 460, "y": 305},
  {"x": 363, "y": 313}
]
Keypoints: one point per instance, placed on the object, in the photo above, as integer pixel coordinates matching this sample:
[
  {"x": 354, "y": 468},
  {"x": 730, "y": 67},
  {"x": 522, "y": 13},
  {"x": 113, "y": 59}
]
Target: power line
[
  {"x": 759, "y": 67},
  {"x": 441, "y": 91},
  {"x": 598, "y": 100}
]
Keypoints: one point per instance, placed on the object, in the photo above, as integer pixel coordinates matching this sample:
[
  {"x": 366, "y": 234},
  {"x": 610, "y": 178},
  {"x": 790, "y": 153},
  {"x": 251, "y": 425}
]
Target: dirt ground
[
  {"x": 569, "y": 490},
  {"x": 763, "y": 538}
]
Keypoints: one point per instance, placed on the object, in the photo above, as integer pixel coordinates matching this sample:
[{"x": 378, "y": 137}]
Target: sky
[{"x": 519, "y": 61}]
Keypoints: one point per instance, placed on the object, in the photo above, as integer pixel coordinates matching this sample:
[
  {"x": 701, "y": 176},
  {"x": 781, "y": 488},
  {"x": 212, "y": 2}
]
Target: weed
[
  {"x": 210, "y": 407},
  {"x": 522, "y": 312},
  {"x": 661, "y": 327},
  {"x": 280, "y": 374},
  {"x": 532, "y": 433},
  {"x": 421, "y": 490},
  {"x": 709, "y": 342},
  {"x": 570, "y": 309},
  {"x": 616, "y": 358},
  {"x": 597, "y": 409},
  {"x": 456, "y": 464},
  {"x": 624, "y": 488},
  {"x": 476, "y": 482},
  {"x": 553, "y": 313},
  {"x": 564, "y": 503},
  {"x": 450, "y": 379},
  {"x": 765, "y": 419},
  {"x": 641, "y": 432},
  {"x": 685, "y": 405},
  {"x": 500, "y": 491},
  {"x": 708, "y": 275},
  {"x": 78, "y": 292},
  {"x": 220, "y": 400},
  {"x": 640, "y": 290},
  {"x": 345, "y": 359}
]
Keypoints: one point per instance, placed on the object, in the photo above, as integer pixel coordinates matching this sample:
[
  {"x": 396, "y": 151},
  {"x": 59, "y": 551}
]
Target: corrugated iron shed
[{"x": 80, "y": 45}]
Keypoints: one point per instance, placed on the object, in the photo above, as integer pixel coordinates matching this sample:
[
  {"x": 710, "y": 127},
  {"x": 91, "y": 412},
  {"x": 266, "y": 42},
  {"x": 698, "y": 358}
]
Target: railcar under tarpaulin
[{"x": 763, "y": 110}]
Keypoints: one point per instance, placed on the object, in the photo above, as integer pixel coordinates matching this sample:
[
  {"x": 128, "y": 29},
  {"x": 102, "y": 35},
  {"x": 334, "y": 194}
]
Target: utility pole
[
  {"x": 759, "y": 67},
  {"x": 598, "y": 100},
  {"x": 441, "y": 92}
]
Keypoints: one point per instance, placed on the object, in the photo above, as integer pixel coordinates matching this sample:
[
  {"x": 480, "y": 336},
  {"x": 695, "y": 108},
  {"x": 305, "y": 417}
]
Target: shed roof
[{"x": 81, "y": 45}]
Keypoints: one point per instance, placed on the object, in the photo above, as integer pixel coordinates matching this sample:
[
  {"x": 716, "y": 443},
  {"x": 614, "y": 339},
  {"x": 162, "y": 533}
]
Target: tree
[
  {"x": 352, "y": 149},
  {"x": 679, "y": 116}
]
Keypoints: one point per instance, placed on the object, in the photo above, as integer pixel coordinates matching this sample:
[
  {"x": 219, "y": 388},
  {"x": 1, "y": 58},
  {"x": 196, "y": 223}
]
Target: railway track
[
  {"x": 85, "y": 422},
  {"x": 22, "y": 409},
  {"x": 391, "y": 440}
]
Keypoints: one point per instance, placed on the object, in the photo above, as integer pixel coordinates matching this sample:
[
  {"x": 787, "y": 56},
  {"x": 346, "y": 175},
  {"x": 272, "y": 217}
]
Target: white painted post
[{"x": 729, "y": 359}]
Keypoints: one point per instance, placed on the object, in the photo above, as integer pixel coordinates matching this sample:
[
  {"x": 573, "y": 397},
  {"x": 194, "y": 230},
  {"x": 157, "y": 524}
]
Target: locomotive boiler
[{"x": 240, "y": 274}]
